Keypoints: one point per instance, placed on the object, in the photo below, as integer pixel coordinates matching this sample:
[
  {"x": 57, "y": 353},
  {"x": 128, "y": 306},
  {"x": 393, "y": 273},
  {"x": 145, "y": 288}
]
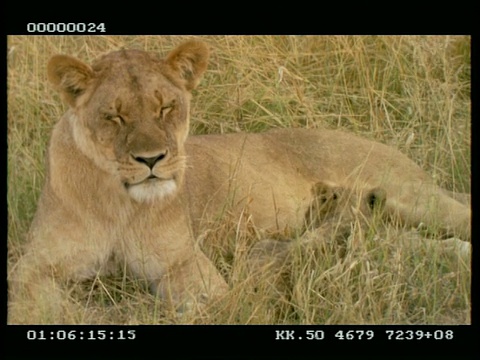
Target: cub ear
[
  {"x": 70, "y": 76},
  {"x": 189, "y": 61},
  {"x": 326, "y": 191},
  {"x": 377, "y": 198}
]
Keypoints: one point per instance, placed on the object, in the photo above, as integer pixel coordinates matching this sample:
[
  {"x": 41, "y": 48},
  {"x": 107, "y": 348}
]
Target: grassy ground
[{"x": 411, "y": 92}]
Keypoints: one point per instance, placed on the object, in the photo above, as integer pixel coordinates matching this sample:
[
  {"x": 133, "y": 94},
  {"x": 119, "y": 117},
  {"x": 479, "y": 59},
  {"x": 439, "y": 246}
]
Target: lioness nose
[{"x": 151, "y": 161}]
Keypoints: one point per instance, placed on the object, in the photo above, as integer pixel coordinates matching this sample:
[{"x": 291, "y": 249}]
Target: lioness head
[{"x": 130, "y": 113}]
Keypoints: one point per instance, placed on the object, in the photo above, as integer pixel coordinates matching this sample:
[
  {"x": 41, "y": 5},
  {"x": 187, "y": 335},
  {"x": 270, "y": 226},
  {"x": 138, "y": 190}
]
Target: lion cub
[
  {"x": 330, "y": 220},
  {"x": 126, "y": 183}
]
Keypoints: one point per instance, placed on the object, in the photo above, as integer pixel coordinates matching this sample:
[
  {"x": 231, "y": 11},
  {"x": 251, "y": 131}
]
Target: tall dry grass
[{"x": 411, "y": 92}]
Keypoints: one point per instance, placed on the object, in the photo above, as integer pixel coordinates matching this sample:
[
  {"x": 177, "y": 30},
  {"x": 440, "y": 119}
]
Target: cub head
[
  {"x": 332, "y": 203},
  {"x": 129, "y": 112}
]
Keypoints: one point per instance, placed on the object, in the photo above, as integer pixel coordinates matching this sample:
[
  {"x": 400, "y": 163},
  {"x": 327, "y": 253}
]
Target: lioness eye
[
  {"x": 115, "y": 118},
  {"x": 165, "y": 110}
]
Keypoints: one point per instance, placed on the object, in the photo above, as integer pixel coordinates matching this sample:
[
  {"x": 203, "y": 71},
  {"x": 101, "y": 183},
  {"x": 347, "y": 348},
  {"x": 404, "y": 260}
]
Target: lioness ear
[
  {"x": 189, "y": 61},
  {"x": 70, "y": 76}
]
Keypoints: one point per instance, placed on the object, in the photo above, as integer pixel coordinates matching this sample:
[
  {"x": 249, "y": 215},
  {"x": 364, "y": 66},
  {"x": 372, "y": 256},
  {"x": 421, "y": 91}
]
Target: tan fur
[
  {"x": 129, "y": 112},
  {"x": 329, "y": 222}
]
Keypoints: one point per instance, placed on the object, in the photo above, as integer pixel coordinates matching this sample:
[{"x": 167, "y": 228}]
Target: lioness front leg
[
  {"x": 34, "y": 296},
  {"x": 185, "y": 284},
  {"x": 39, "y": 282}
]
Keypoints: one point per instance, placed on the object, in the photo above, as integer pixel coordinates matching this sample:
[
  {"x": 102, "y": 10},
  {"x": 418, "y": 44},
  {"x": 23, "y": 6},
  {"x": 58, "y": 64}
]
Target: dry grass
[{"x": 412, "y": 92}]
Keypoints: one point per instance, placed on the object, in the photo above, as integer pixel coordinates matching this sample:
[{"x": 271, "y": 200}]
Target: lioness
[{"x": 124, "y": 183}]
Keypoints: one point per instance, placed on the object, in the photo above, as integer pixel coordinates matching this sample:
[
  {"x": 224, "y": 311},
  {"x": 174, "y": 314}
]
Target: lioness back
[{"x": 274, "y": 172}]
